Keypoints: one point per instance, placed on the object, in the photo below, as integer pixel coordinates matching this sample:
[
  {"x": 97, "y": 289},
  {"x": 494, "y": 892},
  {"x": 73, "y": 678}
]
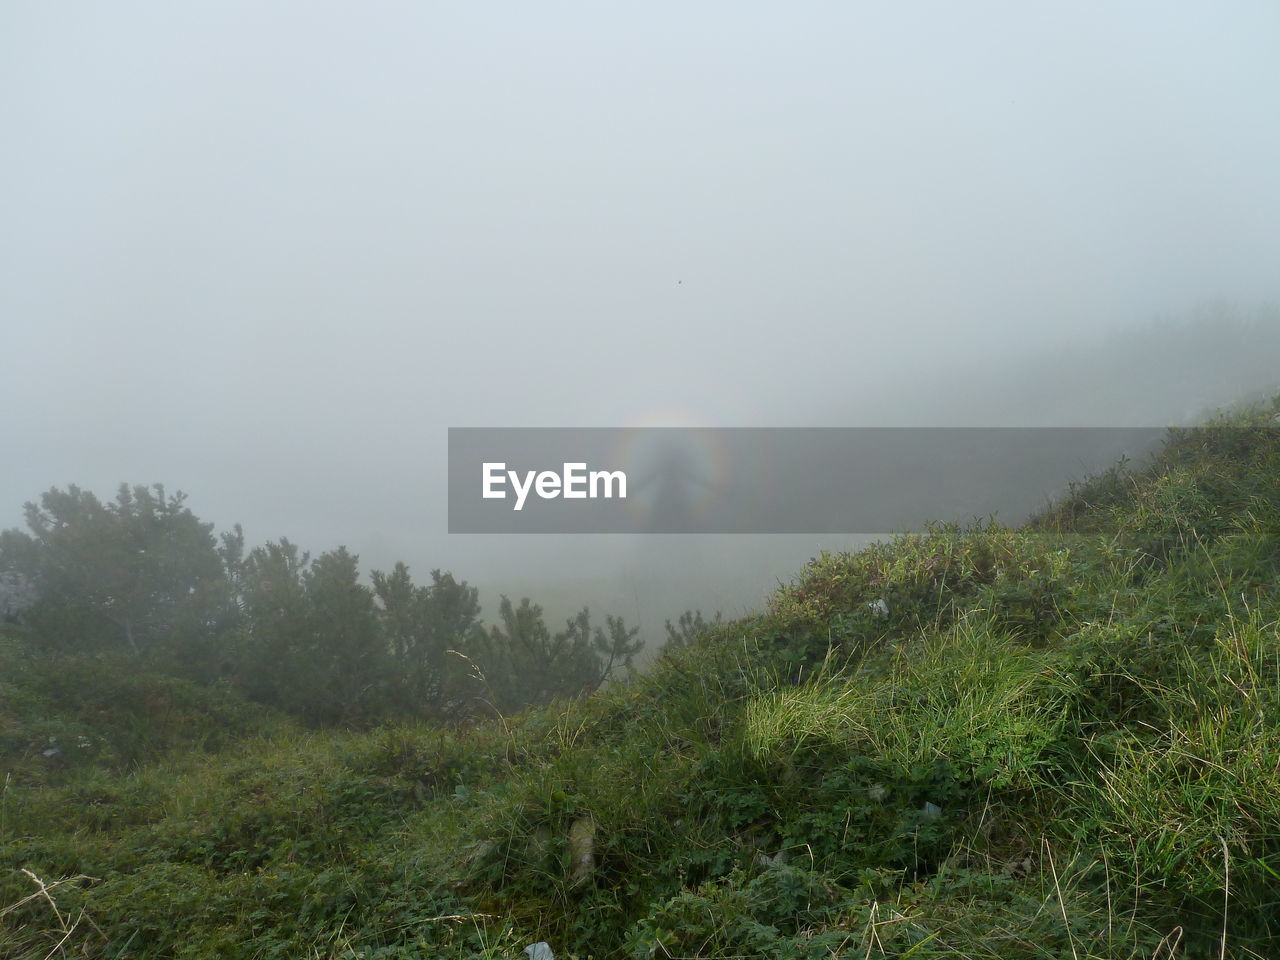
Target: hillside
[{"x": 1056, "y": 741}]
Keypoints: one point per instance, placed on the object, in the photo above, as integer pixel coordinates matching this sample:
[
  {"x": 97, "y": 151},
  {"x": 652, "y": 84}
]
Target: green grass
[{"x": 1062, "y": 742}]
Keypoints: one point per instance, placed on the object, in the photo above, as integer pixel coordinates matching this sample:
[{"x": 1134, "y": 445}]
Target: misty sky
[{"x": 268, "y": 252}]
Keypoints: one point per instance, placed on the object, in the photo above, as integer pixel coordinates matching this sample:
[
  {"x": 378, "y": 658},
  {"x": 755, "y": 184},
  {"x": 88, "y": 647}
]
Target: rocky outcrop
[{"x": 16, "y": 594}]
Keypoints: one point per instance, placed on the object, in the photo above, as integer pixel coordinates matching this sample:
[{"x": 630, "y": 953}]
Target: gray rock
[
  {"x": 582, "y": 842},
  {"x": 777, "y": 860},
  {"x": 16, "y": 594},
  {"x": 539, "y": 951}
]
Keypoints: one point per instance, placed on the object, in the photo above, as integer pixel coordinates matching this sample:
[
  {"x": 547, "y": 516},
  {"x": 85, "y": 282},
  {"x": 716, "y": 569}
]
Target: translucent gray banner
[{"x": 767, "y": 480}]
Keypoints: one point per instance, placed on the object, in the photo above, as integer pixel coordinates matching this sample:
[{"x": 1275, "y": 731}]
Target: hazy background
[{"x": 268, "y": 252}]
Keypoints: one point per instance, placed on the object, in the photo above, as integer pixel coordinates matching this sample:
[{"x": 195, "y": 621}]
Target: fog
[{"x": 267, "y": 253}]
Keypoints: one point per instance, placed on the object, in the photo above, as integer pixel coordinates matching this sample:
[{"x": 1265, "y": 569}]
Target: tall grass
[{"x": 1061, "y": 741}]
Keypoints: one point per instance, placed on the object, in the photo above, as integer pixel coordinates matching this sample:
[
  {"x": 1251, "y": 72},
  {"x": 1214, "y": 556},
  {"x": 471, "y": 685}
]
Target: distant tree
[
  {"x": 310, "y": 640},
  {"x": 143, "y": 574},
  {"x": 234, "y": 565},
  {"x": 271, "y": 662},
  {"x": 519, "y": 660},
  {"x": 523, "y": 663},
  {"x": 421, "y": 625},
  {"x": 616, "y": 647},
  {"x": 688, "y": 626},
  {"x": 344, "y": 641},
  {"x": 139, "y": 573},
  {"x": 612, "y": 647},
  {"x": 508, "y": 657},
  {"x": 400, "y": 603}
]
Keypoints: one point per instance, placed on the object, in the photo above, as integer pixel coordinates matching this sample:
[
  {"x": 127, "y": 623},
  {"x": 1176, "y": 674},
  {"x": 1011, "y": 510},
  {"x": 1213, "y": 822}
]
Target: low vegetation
[{"x": 1055, "y": 741}]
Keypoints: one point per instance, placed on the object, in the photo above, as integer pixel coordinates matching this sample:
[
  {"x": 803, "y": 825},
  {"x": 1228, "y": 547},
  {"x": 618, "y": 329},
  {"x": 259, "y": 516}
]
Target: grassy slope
[{"x": 1063, "y": 741}]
